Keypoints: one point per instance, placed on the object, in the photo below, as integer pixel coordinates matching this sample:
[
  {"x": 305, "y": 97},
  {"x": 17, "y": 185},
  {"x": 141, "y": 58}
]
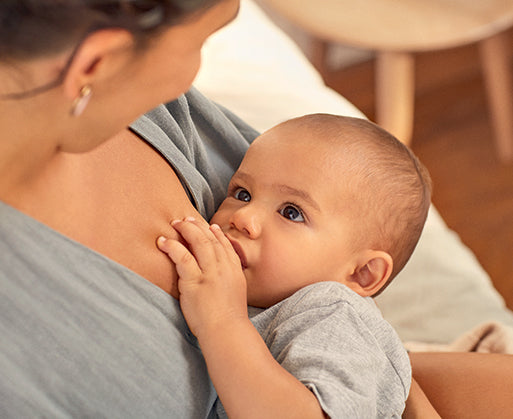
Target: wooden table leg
[
  {"x": 395, "y": 93},
  {"x": 499, "y": 87}
]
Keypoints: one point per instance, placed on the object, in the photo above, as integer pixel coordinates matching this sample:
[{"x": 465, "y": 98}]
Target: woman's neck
[{"x": 25, "y": 154}]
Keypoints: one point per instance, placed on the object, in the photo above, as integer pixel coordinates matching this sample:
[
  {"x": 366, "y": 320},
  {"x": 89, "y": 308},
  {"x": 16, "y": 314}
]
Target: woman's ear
[
  {"x": 372, "y": 272},
  {"x": 102, "y": 55}
]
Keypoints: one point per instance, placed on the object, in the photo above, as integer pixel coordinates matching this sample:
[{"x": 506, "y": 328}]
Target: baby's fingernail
[
  {"x": 192, "y": 219},
  {"x": 161, "y": 240},
  {"x": 174, "y": 222},
  {"x": 215, "y": 227}
]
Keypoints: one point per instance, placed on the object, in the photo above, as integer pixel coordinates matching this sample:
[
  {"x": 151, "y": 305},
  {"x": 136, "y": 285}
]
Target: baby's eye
[
  {"x": 242, "y": 195},
  {"x": 290, "y": 212}
]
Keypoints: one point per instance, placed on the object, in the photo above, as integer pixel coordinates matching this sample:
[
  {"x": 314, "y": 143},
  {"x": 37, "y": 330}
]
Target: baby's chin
[{"x": 255, "y": 300}]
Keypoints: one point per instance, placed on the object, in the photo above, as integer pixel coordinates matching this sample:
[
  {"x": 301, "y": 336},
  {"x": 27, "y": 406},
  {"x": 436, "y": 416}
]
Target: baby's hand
[{"x": 211, "y": 283}]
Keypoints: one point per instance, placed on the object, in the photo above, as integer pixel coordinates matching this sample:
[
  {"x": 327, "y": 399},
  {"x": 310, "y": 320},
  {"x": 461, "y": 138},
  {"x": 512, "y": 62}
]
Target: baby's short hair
[{"x": 398, "y": 186}]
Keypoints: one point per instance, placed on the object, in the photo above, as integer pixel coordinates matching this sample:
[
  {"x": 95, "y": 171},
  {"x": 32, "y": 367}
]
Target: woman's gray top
[{"x": 81, "y": 335}]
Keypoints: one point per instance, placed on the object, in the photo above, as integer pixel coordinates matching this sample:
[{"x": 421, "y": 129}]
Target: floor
[{"x": 453, "y": 137}]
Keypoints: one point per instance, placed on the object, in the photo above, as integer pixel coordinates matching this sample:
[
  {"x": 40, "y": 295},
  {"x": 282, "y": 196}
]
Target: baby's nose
[{"x": 247, "y": 221}]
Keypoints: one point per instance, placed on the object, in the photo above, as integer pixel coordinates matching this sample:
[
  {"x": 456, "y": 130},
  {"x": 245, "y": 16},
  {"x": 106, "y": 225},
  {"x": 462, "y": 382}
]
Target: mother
[{"x": 87, "y": 327}]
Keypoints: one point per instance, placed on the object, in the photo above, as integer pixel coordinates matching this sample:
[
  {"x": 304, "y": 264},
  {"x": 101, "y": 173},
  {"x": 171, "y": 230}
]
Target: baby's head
[{"x": 324, "y": 198}]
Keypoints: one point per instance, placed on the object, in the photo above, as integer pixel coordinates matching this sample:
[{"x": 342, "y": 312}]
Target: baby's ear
[{"x": 373, "y": 269}]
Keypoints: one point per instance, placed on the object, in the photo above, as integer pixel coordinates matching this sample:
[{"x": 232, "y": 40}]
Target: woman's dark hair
[
  {"x": 32, "y": 28},
  {"x": 35, "y": 28}
]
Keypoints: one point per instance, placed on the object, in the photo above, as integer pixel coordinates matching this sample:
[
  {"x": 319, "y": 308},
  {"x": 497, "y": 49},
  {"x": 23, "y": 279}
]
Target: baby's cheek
[{"x": 218, "y": 217}]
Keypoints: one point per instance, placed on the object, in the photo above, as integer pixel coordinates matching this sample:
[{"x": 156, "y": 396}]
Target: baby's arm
[{"x": 248, "y": 380}]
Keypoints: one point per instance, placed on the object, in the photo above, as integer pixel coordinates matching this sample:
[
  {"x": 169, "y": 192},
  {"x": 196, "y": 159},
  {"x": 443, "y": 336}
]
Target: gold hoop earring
[{"x": 80, "y": 103}]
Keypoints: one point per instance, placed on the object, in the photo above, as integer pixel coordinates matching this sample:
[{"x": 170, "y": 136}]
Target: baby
[{"x": 322, "y": 213}]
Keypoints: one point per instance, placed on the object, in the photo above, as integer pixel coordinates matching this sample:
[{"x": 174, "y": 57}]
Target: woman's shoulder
[
  {"x": 195, "y": 118},
  {"x": 203, "y": 142}
]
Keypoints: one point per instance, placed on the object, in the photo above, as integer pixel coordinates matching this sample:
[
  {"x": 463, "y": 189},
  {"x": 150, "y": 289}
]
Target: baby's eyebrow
[
  {"x": 242, "y": 175},
  {"x": 282, "y": 188},
  {"x": 286, "y": 189}
]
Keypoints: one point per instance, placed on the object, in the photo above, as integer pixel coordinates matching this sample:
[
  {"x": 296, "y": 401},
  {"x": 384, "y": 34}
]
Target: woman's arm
[
  {"x": 466, "y": 384},
  {"x": 249, "y": 381},
  {"x": 417, "y": 405}
]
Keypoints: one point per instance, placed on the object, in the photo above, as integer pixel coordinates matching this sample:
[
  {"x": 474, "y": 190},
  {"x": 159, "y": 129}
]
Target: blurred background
[{"x": 453, "y": 134}]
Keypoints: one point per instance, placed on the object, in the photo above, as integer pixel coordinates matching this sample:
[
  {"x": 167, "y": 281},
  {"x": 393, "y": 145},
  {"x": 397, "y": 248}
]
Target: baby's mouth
[{"x": 240, "y": 253}]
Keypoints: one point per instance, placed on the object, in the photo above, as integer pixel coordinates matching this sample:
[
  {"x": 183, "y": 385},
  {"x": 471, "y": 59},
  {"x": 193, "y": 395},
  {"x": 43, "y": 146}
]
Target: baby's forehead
[
  {"x": 290, "y": 136},
  {"x": 333, "y": 160},
  {"x": 338, "y": 135}
]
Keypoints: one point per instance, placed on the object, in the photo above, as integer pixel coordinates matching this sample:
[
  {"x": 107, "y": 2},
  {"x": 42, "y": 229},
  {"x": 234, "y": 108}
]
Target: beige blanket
[{"x": 491, "y": 337}]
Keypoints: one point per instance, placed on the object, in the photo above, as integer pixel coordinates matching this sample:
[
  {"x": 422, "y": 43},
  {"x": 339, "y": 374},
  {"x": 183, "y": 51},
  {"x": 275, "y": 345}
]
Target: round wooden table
[{"x": 396, "y": 29}]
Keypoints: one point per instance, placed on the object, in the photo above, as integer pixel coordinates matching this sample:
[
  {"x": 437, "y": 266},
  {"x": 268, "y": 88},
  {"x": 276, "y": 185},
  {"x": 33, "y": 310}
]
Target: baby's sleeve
[{"x": 356, "y": 367}]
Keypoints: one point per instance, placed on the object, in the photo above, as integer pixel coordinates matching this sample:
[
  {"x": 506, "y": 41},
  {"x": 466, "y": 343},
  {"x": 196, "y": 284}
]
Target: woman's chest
[{"x": 117, "y": 200}]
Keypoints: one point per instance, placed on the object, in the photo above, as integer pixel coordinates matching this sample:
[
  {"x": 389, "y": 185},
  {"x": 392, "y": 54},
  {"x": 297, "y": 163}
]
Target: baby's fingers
[
  {"x": 202, "y": 243},
  {"x": 186, "y": 265},
  {"x": 226, "y": 244}
]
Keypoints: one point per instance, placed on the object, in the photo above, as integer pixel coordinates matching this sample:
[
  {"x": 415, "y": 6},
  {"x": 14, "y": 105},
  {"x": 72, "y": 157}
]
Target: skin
[
  {"x": 249, "y": 256},
  {"x": 466, "y": 385},
  {"x": 418, "y": 405}
]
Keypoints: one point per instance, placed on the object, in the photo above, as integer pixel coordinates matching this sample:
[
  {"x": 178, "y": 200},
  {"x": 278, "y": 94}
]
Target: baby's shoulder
[{"x": 328, "y": 296}]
